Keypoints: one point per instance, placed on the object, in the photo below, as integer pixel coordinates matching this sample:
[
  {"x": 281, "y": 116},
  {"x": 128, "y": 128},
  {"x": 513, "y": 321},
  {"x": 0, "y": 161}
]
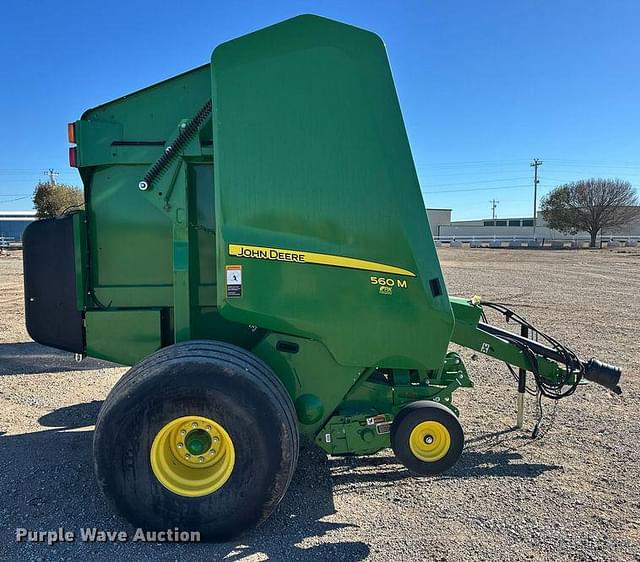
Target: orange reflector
[
  {"x": 72, "y": 157},
  {"x": 71, "y": 132}
]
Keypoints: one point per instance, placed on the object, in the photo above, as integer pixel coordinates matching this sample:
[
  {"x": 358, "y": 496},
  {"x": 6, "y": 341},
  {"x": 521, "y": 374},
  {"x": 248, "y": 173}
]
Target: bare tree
[{"x": 590, "y": 205}]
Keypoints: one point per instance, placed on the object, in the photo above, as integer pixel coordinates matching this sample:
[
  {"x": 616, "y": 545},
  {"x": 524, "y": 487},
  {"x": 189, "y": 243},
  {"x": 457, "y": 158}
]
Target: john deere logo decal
[{"x": 298, "y": 256}]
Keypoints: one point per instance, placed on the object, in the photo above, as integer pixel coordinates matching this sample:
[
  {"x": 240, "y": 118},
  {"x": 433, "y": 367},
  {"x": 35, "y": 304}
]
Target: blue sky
[{"x": 485, "y": 86}]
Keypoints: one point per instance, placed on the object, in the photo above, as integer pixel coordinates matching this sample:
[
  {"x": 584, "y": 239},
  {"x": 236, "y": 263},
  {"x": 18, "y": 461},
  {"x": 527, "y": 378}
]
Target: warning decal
[{"x": 234, "y": 280}]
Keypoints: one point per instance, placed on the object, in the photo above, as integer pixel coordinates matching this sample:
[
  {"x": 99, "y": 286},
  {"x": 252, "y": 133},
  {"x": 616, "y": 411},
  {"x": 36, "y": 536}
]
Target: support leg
[{"x": 522, "y": 384}]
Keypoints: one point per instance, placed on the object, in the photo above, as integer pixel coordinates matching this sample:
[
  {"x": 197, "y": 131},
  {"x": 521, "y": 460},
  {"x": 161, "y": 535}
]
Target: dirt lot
[{"x": 573, "y": 495}]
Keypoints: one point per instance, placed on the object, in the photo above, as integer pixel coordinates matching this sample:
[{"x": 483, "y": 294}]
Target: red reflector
[
  {"x": 71, "y": 133},
  {"x": 72, "y": 157}
]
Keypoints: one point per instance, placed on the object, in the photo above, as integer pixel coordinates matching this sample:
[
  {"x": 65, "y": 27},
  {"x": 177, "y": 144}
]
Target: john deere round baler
[{"x": 254, "y": 242}]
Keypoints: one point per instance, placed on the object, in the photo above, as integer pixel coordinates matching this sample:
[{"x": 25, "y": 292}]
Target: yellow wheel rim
[
  {"x": 429, "y": 441},
  {"x": 192, "y": 456}
]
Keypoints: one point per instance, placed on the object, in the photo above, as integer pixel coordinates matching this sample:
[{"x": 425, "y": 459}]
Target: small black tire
[
  {"x": 197, "y": 378},
  {"x": 430, "y": 421}
]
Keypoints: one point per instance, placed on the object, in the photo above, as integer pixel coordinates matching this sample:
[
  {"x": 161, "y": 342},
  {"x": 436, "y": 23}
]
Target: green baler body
[{"x": 302, "y": 182}]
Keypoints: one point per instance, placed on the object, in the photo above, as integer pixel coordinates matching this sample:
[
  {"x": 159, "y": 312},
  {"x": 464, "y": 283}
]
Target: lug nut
[
  {"x": 428, "y": 439},
  {"x": 215, "y": 439},
  {"x": 208, "y": 428},
  {"x": 180, "y": 445},
  {"x": 183, "y": 432},
  {"x": 194, "y": 425},
  {"x": 200, "y": 459},
  {"x": 187, "y": 456}
]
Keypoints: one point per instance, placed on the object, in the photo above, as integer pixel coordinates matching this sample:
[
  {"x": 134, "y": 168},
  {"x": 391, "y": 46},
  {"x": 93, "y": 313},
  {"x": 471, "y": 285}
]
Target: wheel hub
[
  {"x": 429, "y": 441},
  {"x": 198, "y": 441},
  {"x": 192, "y": 456}
]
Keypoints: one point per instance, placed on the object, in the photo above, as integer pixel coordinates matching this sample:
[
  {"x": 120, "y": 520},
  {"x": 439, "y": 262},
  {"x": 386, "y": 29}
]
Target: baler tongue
[{"x": 556, "y": 368}]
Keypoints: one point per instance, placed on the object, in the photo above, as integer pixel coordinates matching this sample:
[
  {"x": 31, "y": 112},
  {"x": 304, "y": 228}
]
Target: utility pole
[
  {"x": 494, "y": 204},
  {"x": 52, "y": 175},
  {"x": 536, "y": 162}
]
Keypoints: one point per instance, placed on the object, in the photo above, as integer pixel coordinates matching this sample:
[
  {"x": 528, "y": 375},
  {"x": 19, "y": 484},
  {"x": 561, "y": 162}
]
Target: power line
[
  {"x": 488, "y": 171},
  {"x": 472, "y": 167},
  {"x": 475, "y": 189},
  {"x": 634, "y": 163},
  {"x": 469, "y": 162},
  {"x": 477, "y": 181},
  {"x": 16, "y": 199}
]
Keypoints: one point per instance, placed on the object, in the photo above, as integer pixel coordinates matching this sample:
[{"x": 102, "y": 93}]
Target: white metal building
[
  {"x": 437, "y": 218},
  {"x": 13, "y": 223},
  {"x": 518, "y": 227}
]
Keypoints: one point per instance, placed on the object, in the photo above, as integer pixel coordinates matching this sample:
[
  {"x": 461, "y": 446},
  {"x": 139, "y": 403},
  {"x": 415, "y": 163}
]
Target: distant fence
[
  {"x": 7, "y": 243},
  {"x": 529, "y": 242}
]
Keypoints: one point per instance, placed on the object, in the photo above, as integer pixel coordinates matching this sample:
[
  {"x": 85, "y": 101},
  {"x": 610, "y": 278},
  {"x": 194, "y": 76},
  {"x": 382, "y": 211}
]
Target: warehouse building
[
  {"x": 512, "y": 227},
  {"x": 437, "y": 218},
  {"x": 13, "y": 224}
]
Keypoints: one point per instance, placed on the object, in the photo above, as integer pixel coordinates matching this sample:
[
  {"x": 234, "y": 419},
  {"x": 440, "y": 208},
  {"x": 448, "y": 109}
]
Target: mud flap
[{"x": 50, "y": 286}]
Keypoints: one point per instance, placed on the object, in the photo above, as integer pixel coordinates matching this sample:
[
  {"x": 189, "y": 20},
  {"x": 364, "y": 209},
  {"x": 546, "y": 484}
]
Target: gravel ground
[{"x": 572, "y": 495}]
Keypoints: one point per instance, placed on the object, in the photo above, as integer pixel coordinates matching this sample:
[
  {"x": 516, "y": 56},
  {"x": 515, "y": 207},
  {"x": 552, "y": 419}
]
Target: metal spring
[{"x": 183, "y": 137}]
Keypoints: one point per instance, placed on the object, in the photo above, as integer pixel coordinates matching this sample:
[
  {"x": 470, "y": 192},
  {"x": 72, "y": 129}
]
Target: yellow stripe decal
[{"x": 297, "y": 256}]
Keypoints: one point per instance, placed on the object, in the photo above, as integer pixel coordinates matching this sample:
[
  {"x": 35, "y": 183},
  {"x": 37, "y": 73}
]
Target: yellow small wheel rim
[
  {"x": 429, "y": 441},
  {"x": 192, "y": 456}
]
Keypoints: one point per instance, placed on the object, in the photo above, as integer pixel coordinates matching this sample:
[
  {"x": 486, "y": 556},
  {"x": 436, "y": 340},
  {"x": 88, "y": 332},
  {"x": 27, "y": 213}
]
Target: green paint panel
[
  {"x": 311, "y": 154},
  {"x": 123, "y": 336},
  {"x": 150, "y": 114},
  {"x": 80, "y": 257},
  {"x": 311, "y": 372},
  {"x": 129, "y": 237}
]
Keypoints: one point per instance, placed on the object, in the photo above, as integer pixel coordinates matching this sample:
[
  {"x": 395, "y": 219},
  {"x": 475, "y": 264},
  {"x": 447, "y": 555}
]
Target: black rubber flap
[{"x": 50, "y": 284}]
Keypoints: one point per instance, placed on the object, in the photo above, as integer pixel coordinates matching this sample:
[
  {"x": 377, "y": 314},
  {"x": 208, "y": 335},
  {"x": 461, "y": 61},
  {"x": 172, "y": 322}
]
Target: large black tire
[
  {"x": 198, "y": 378},
  {"x": 447, "y": 427}
]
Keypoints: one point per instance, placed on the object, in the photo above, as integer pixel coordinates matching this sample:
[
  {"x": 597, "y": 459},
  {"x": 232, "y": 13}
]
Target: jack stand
[{"x": 522, "y": 385}]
